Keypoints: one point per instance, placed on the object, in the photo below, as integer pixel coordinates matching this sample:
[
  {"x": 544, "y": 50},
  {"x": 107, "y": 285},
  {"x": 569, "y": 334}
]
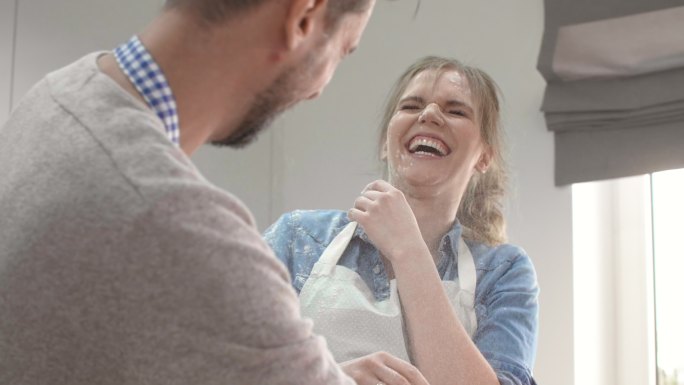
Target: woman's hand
[
  {"x": 383, "y": 368},
  {"x": 387, "y": 218}
]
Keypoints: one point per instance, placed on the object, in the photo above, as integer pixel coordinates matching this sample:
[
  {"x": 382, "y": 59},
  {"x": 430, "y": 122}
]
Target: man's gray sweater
[{"x": 120, "y": 264}]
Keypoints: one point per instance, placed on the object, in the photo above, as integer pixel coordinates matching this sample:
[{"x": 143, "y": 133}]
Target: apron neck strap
[
  {"x": 334, "y": 251},
  {"x": 467, "y": 275}
]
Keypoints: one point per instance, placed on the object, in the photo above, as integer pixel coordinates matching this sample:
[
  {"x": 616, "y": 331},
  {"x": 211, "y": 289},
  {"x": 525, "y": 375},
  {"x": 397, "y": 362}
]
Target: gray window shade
[{"x": 615, "y": 86}]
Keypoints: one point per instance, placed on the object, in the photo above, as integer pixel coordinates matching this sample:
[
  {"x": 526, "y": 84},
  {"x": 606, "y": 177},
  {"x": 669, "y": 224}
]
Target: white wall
[
  {"x": 51, "y": 34},
  {"x": 321, "y": 154}
]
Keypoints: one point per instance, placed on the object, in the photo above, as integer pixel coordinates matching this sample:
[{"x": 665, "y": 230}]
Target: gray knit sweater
[{"x": 120, "y": 264}]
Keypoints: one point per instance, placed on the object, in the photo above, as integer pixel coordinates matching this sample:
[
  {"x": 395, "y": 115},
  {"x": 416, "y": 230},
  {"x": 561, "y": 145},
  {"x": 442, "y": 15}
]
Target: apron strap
[
  {"x": 467, "y": 275},
  {"x": 331, "y": 255}
]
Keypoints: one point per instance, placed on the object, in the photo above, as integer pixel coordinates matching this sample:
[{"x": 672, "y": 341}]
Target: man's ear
[{"x": 301, "y": 20}]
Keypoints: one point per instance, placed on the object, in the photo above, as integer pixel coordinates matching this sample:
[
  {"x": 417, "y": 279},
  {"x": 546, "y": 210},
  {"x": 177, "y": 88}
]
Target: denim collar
[{"x": 448, "y": 245}]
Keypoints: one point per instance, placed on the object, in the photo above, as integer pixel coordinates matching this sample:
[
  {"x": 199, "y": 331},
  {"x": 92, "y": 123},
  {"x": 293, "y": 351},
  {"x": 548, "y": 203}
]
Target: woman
[{"x": 426, "y": 276}]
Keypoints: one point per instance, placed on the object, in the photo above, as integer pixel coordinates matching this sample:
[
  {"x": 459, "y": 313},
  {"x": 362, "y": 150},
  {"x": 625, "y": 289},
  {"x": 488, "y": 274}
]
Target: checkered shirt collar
[{"x": 137, "y": 63}]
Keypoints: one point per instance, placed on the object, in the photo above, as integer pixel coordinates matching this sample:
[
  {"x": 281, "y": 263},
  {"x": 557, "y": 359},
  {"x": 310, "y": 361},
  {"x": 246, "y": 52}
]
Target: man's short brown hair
[{"x": 213, "y": 11}]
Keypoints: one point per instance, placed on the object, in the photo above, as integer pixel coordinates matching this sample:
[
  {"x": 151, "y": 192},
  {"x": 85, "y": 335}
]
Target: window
[
  {"x": 668, "y": 230},
  {"x": 628, "y": 270}
]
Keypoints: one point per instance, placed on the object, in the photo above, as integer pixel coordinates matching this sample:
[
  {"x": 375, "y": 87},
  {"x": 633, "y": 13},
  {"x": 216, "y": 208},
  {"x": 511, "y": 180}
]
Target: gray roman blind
[{"x": 615, "y": 86}]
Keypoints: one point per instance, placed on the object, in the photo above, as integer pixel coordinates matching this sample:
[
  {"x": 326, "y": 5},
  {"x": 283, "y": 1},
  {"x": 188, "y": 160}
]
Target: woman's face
[{"x": 433, "y": 139}]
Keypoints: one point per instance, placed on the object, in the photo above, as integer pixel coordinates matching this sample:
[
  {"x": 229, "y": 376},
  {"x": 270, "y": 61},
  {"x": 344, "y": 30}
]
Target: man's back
[{"x": 120, "y": 264}]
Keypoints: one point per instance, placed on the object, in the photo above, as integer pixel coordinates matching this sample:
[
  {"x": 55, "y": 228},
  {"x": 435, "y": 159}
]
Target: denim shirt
[{"x": 505, "y": 297}]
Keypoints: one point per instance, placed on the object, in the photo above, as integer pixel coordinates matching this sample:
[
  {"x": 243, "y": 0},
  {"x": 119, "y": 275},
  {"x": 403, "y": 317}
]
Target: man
[{"x": 119, "y": 263}]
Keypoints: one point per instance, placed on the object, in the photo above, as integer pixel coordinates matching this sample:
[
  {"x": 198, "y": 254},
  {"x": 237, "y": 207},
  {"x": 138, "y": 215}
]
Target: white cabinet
[{"x": 7, "y": 8}]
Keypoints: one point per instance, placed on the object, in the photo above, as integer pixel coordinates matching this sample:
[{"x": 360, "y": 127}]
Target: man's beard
[{"x": 268, "y": 105}]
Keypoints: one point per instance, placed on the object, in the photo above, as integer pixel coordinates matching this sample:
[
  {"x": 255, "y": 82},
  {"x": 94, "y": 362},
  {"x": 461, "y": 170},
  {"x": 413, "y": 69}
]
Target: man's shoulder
[{"x": 75, "y": 75}]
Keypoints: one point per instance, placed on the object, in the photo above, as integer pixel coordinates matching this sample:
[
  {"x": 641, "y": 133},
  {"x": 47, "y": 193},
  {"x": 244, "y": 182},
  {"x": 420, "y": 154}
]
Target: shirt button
[{"x": 376, "y": 269}]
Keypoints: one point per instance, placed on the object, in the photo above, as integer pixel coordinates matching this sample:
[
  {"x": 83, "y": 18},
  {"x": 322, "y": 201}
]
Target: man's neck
[{"x": 212, "y": 94}]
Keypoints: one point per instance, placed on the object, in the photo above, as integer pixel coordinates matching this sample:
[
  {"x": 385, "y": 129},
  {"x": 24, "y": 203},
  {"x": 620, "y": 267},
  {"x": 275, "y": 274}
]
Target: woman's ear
[
  {"x": 301, "y": 19},
  {"x": 485, "y": 160},
  {"x": 383, "y": 151}
]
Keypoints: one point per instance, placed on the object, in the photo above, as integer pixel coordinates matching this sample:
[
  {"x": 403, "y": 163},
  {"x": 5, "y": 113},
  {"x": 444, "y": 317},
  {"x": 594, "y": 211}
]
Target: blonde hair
[{"x": 481, "y": 208}]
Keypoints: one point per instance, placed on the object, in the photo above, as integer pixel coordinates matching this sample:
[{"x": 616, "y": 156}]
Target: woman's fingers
[
  {"x": 368, "y": 200},
  {"x": 355, "y": 215},
  {"x": 405, "y": 370},
  {"x": 378, "y": 185},
  {"x": 383, "y": 368},
  {"x": 390, "y": 376}
]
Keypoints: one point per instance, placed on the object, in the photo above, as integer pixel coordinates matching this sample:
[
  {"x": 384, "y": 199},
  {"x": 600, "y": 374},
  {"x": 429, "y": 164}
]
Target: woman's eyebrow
[{"x": 412, "y": 98}]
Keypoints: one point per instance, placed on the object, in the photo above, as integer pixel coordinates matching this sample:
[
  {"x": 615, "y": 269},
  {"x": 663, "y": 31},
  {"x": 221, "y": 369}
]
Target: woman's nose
[{"x": 432, "y": 113}]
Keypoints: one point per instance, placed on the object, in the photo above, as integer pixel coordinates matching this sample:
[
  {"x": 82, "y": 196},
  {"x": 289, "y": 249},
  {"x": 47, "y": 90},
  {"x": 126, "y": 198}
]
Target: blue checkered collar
[{"x": 137, "y": 63}]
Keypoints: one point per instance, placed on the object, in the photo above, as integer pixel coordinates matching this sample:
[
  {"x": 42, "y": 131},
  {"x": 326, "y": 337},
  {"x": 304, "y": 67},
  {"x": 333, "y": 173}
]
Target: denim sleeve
[
  {"x": 280, "y": 237},
  {"x": 508, "y": 321}
]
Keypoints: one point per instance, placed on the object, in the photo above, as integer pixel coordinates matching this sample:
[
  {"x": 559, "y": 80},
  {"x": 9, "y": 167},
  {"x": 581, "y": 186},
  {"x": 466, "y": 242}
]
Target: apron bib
[{"x": 354, "y": 324}]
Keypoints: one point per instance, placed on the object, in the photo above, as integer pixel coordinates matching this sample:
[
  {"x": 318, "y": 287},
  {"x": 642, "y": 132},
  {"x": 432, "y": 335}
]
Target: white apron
[{"x": 353, "y": 322}]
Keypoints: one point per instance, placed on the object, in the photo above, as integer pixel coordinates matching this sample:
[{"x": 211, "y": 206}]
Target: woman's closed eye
[{"x": 409, "y": 107}]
